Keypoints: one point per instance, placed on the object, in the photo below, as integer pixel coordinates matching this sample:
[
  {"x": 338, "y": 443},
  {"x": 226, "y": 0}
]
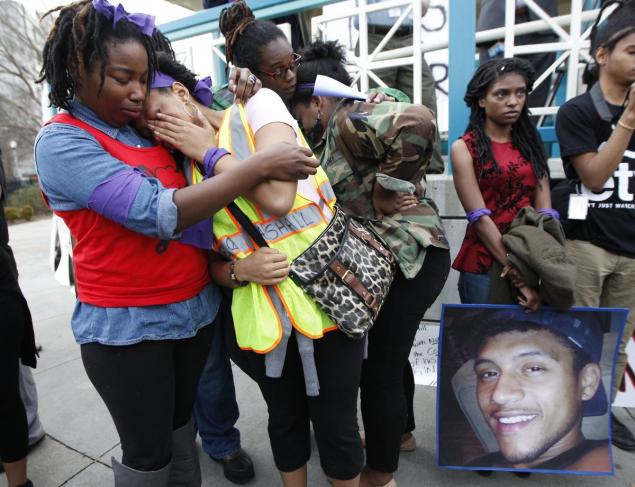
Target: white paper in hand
[{"x": 325, "y": 86}]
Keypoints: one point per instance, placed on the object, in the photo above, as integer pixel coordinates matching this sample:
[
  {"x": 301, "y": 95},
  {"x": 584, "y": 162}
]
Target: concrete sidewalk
[{"x": 81, "y": 437}]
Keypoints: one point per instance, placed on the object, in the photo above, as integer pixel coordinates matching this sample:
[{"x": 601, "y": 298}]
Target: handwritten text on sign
[{"x": 423, "y": 355}]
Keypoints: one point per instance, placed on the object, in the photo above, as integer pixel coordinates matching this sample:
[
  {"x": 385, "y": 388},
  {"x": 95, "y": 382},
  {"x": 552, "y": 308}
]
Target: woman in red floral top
[{"x": 499, "y": 167}]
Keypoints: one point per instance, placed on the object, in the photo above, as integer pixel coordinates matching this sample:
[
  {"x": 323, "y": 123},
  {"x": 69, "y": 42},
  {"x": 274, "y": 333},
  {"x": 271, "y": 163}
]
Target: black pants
[
  {"x": 14, "y": 430},
  {"x": 383, "y": 395},
  {"x": 409, "y": 391},
  {"x": 149, "y": 389},
  {"x": 333, "y": 413}
]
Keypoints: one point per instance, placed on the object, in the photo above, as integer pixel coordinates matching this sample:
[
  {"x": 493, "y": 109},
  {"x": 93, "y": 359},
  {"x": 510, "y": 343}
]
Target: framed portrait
[{"x": 526, "y": 392}]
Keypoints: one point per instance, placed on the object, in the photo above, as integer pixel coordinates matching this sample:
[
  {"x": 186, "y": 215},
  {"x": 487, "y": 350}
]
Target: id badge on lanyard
[{"x": 578, "y": 204}]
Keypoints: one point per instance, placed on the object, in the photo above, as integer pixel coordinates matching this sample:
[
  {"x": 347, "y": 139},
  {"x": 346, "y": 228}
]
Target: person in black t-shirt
[{"x": 595, "y": 131}]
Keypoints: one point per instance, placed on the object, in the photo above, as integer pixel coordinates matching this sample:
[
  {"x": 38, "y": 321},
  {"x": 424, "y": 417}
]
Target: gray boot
[
  {"x": 186, "y": 471},
  {"x": 129, "y": 477}
]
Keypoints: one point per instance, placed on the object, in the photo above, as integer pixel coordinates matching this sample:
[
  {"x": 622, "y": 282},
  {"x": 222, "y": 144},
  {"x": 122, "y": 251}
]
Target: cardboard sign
[{"x": 423, "y": 355}]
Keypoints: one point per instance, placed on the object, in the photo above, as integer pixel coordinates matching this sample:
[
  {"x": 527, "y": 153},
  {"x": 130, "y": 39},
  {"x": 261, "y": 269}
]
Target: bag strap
[
  {"x": 368, "y": 238},
  {"x": 247, "y": 225},
  {"x": 599, "y": 102},
  {"x": 354, "y": 284},
  {"x": 336, "y": 266}
]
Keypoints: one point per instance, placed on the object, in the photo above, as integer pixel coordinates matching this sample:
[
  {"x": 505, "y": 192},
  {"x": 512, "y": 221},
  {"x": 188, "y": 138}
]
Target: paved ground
[{"x": 81, "y": 437}]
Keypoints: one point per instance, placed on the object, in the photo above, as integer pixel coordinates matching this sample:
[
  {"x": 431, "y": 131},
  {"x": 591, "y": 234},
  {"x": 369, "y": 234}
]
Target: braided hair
[
  {"x": 78, "y": 39},
  {"x": 244, "y": 35},
  {"x": 162, "y": 44},
  {"x": 170, "y": 66},
  {"x": 607, "y": 32},
  {"x": 525, "y": 137},
  {"x": 325, "y": 58}
]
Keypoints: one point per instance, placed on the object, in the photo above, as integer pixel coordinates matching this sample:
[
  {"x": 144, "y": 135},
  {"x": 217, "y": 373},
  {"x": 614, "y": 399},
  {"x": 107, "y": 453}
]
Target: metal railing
[
  {"x": 571, "y": 48},
  {"x": 365, "y": 63},
  {"x": 573, "y": 45}
]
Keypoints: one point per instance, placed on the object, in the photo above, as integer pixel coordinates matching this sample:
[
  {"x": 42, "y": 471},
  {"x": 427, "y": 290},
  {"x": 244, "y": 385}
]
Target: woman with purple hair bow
[{"x": 145, "y": 298}]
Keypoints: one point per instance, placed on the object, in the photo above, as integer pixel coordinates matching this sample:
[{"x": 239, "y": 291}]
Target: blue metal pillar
[{"x": 461, "y": 65}]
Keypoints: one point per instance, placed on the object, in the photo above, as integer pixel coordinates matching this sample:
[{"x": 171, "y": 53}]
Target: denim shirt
[{"x": 61, "y": 154}]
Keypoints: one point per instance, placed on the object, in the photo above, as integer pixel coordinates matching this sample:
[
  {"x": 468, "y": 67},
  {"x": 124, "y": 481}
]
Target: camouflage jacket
[
  {"x": 395, "y": 140},
  {"x": 223, "y": 98}
]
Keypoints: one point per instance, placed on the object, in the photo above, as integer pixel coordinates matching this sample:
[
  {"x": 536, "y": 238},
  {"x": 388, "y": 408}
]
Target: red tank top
[
  {"x": 504, "y": 193},
  {"x": 117, "y": 267}
]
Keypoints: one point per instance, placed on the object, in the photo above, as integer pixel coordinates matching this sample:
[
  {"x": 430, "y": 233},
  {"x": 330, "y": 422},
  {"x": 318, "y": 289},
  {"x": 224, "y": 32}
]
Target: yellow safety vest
[{"x": 259, "y": 311}]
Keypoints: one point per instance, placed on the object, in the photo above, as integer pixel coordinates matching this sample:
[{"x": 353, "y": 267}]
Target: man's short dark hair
[
  {"x": 497, "y": 327},
  {"x": 467, "y": 328}
]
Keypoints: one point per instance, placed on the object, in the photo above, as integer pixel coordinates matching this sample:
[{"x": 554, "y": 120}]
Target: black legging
[
  {"x": 409, "y": 391},
  {"x": 333, "y": 413},
  {"x": 14, "y": 430},
  {"x": 149, "y": 389},
  {"x": 383, "y": 394}
]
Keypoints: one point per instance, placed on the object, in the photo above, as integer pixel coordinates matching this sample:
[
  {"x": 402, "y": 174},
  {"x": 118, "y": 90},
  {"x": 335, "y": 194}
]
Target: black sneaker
[
  {"x": 484, "y": 473},
  {"x": 522, "y": 475},
  {"x": 621, "y": 436},
  {"x": 237, "y": 467}
]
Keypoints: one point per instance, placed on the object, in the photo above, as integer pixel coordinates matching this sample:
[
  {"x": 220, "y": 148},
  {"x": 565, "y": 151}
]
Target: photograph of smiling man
[{"x": 526, "y": 391}]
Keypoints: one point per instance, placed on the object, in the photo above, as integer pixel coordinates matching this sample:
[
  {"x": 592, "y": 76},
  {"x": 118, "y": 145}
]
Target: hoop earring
[
  {"x": 318, "y": 129},
  {"x": 187, "y": 104}
]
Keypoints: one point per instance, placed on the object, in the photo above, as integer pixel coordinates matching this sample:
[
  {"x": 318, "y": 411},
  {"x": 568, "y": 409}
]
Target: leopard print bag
[{"x": 348, "y": 271}]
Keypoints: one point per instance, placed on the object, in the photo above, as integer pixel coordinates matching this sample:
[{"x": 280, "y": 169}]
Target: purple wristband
[
  {"x": 549, "y": 212},
  {"x": 474, "y": 215},
  {"x": 211, "y": 158}
]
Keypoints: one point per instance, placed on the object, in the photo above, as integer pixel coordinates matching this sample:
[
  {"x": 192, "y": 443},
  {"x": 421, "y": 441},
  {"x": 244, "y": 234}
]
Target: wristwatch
[{"x": 232, "y": 274}]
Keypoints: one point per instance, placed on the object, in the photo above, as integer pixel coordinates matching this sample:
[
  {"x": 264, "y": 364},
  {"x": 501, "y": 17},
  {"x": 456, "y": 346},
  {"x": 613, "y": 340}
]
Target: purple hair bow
[
  {"x": 305, "y": 86},
  {"x": 144, "y": 22},
  {"x": 203, "y": 91}
]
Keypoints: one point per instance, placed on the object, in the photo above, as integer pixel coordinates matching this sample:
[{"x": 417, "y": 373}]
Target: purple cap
[
  {"x": 305, "y": 86},
  {"x": 202, "y": 90},
  {"x": 161, "y": 80}
]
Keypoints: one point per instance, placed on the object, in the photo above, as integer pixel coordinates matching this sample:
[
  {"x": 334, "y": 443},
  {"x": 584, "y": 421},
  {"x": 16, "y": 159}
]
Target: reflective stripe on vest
[
  {"x": 193, "y": 174},
  {"x": 273, "y": 230},
  {"x": 259, "y": 311}
]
